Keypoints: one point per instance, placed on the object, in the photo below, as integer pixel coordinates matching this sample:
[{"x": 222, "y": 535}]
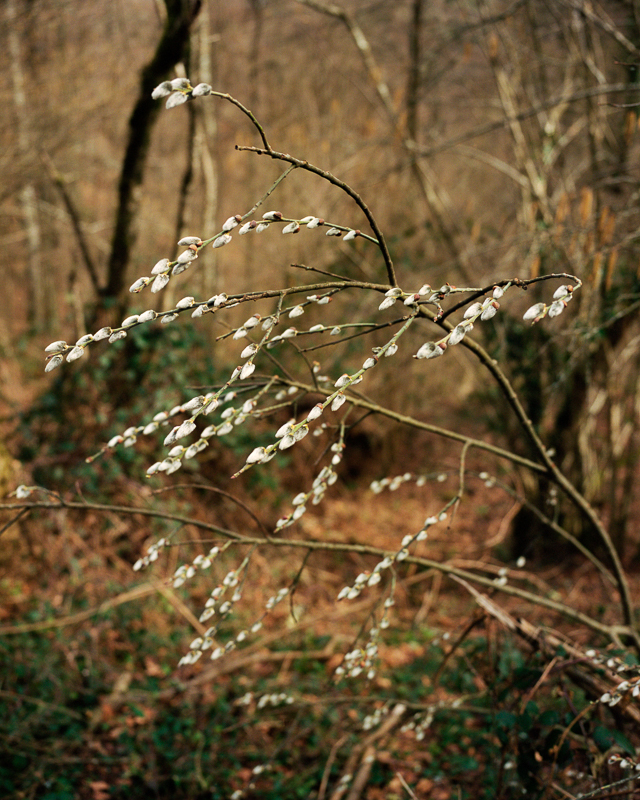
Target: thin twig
[
  {"x": 222, "y": 493},
  {"x": 25, "y": 698},
  {"x": 473, "y": 623},
  {"x": 249, "y": 114},
  {"x": 322, "y": 272},
  {"x": 602, "y": 789},
  {"x": 74, "y": 619},
  {"x": 327, "y": 767},
  {"x": 13, "y": 520},
  {"x": 560, "y": 479},
  {"x": 74, "y": 216}
]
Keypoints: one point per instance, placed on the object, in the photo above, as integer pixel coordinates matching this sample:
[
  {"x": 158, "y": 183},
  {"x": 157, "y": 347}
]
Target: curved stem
[
  {"x": 391, "y": 275},
  {"x": 246, "y": 111},
  {"x": 269, "y": 151},
  {"x": 559, "y": 478}
]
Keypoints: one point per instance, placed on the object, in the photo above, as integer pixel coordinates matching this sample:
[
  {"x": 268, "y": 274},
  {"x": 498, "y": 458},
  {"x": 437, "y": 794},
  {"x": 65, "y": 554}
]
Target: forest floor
[
  {"x": 94, "y": 705},
  {"x": 90, "y": 647}
]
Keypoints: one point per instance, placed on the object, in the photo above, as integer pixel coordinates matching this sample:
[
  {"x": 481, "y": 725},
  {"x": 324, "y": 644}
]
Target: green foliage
[
  {"x": 65, "y": 728},
  {"x": 498, "y": 734}
]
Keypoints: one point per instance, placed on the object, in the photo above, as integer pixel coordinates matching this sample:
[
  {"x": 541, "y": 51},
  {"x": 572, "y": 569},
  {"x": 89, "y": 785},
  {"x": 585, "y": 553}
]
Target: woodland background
[{"x": 491, "y": 140}]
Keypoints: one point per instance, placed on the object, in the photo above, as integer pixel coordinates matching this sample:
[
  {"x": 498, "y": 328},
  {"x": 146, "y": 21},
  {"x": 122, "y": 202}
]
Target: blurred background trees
[
  {"x": 495, "y": 139},
  {"x": 492, "y": 140}
]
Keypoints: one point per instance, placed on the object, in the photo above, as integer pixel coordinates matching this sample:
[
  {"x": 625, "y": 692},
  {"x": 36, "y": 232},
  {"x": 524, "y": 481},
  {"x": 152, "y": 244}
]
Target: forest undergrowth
[{"x": 95, "y": 708}]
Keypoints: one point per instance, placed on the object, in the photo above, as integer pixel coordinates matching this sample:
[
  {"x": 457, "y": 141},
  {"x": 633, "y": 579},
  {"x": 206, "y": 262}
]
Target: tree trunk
[
  {"x": 170, "y": 51},
  {"x": 37, "y": 300}
]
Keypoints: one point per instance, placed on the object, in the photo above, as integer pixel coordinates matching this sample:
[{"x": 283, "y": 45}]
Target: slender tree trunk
[
  {"x": 170, "y": 51},
  {"x": 37, "y": 305},
  {"x": 255, "y": 89},
  {"x": 413, "y": 78},
  {"x": 206, "y": 134}
]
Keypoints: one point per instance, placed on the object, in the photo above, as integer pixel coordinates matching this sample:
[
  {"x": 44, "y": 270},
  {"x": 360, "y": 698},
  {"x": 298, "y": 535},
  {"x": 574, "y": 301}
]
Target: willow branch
[
  {"x": 248, "y": 113},
  {"x": 268, "y": 150},
  {"x": 610, "y": 631},
  {"x": 305, "y": 165}
]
